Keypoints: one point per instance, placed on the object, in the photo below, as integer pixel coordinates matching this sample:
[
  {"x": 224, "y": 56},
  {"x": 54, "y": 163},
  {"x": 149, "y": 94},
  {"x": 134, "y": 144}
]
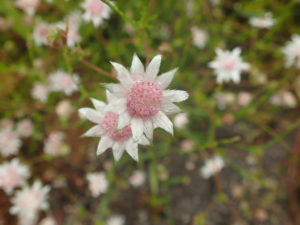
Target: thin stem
[{"x": 98, "y": 69}]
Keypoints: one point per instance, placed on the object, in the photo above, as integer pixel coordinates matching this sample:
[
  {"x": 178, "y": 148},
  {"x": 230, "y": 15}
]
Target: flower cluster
[{"x": 136, "y": 106}]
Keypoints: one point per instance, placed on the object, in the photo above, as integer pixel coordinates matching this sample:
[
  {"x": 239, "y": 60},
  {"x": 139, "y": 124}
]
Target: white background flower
[
  {"x": 97, "y": 183},
  {"x": 212, "y": 166},
  {"x": 228, "y": 65},
  {"x": 62, "y": 81},
  {"x": 137, "y": 178},
  {"x": 10, "y": 143},
  {"x": 95, "y": 11},
  {"x": 265, "y": 21},
  {"x": 292, "y": 52}
]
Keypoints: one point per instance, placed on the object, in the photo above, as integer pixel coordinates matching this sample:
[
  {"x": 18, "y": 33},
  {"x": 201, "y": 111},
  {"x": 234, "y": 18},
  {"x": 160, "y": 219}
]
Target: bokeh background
[{"x": 252, "y": 127}]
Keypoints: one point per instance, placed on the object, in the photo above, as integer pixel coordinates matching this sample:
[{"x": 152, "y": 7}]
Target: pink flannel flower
[
  {"x": 40, "y": 33},
  {"x": 62, "y": 81},
  {"x": 54, "y": 144},
  {"x": 97, "y": 183},
  {"x": 25, "y": 128},
  {"x": 10, "y": 142},
  {"x": 265, "y": 21},
  {"x": 228, "y": 65},
  {"x": 40, "y": 92},
  {"x": 28, "y": 6},
  {"x": 12, "y": 175},
  {"x": 143, "y": 101},
  {"x": 106, "y": 119},
  {"x": 95, "y": 11},
  {"x": 28, "y": 202},
  {"x": 292, "y": 52}
]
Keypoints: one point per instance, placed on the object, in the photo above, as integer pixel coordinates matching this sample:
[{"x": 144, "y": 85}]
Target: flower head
[
  {"x": 29, "y": 201},
  {"x": 48, "y": 221},
  {"x": 54, "y": 145},
  {"x": 28, "y": 6},
  {"x": 228, "y": 65},
  {"x": 25, "y": 128},
  {"x": 97, "y": 183},
  {"x": 292, "y": 52},
  {"x": 143, "y": 101},
  {"x": 212, "y": 166},
  {"x": 95, "y": 11},
  {"x": 137, "y": 178},
  {"x": 199, "y": 37},
  {"x": 40, "y": 92},
  {"x": 180, "y": 120},
  {"x": 106, "y": 118},
  {"x": 265, "y": 21},
  {"x": 10, "y": 143},
  {"x": 62, "y": 81},
  {"x": 40, "y": 33},
  {"x": 64, "y": 109},
  {"x": 116, "y": 220},
  {"x": 12, "y": 175}
]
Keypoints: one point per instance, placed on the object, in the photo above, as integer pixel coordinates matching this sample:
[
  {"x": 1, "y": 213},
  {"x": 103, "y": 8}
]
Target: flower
[
  {"x": 187, "y": 145},
  {"x": 62, "y": 81},
  {"x": 116, "y": 220},
  {"x": 142, "y": 101},
  {"x": 95, "y": 11},
  {"x": 228, "y": 65},
  {"x": 28, "y": 6},
  {"x": 244, "y": 98},
  {"x": 40, "y": 33},
  {"x": 10, "y": 143},
  {"x": 137, "y": 178},
  {"x": 54, "y": 144},
  {"x": 25, "y": 128},
  {"x": 72, "y": 34},
  {"x": 64, "y": 109},
  {"x": 212, "y": 166},
  {"x": 29, "y": 201},
  {"x": 292, "y": 52},
  {"x": 40, "y": 92},
  {"x": 223, "y": 99},
  {"x": 199, "y": 37},
  {"x": 6, "y": 123},
  {"x": 106, "y": 119},
  {"x": 48, "y": 221},
  {"x": 97, "y": 183},
  {"x": 180, "y": 120},
  {"x": 284, "y": 98},
  {"x": 265, "y": 21},
  {"x": 12, "y": 175}
]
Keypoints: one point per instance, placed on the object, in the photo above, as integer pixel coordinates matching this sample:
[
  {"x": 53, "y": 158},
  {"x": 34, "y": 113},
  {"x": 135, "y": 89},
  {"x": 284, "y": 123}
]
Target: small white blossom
[
  {"x": 64, "y": 109},
  {"x": 40, "y": 33},
  {"x": 212, "y": 166},
  {"x": 285, "y": 99},
  {"x": 244, "y": 98},
  {"x": 116, "y": 220},
  {"x": 292, "y": 52},
  {"x": 25, "y": 128},
  {"x": 40, "y": 92},
  {"x": 62, "y": 81},
  {"x": 265, "y": 21},
  {"x": 29, "y": 201},
  {"x": 228, "y": 65},
  {"x": 54, "y": 145},
  {"x": 48, "y": 221},
  {"x": 12, "y": 175},
  {"x": 95, "y": 11},
  {"x": 200, "y": 37},
  {"x": 73, "y": 35},
  {"x": 10, "y": 143},
  {"x": 223, "y": 99},
  {"x": 180, "y": 120},
  {"x": 137, "y": 178},
  {"x": 97, "y": 183},
  {"x": 28, "y": 6},
  {"x": 187, "y": 145}
]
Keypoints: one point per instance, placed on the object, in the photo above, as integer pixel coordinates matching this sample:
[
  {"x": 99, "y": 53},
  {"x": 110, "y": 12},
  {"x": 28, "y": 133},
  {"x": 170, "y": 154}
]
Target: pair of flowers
[{"x": 136, "y": 106}]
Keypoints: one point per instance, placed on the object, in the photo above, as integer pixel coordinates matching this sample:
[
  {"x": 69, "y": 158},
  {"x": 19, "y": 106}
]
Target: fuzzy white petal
[
  {"x": 122, "y": 74},
  {"x": 175, "y": 95},
  {"x": 137, "y": 128},
  {"x": 124, "y": 120},
  {"x": 162, "y": 121},
  {"x": 165, "y": 79},
  {"x": 143, "y": 140},
  {"x": 91, "y": 114},
  {"x": 170, "y": 108},
  {"x": 99, "y": 105},
  {"x": 118, "y": 106},
  {"x": 148, "y": 128},
  {"x": 132, "y": 149},
  {"x": 118, "y": 150},
  {"x": 137, "y": 65},
  {"x": 95, "y": 131},
  {"x": 104, "y": 144},
  {"x": 153, "y": 67}
]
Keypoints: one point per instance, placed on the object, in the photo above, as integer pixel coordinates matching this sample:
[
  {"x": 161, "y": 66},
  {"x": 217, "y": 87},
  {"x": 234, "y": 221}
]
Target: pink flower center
[
  {"x": 109, "y": 124},
  {"x": 229, "y": 63},
  {"x": 95, "y": 7},
  {"x": 144, "y": 99}
]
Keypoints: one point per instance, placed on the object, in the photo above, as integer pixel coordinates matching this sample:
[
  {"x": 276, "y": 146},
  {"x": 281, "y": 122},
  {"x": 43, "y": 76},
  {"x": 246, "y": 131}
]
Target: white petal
[
  {"x": 170, "y": 108},
  {"x": 122, "y": 74},
  {"x": 124, "y": 120},
  {"x": 118, "y": 106},
  {"x": 175, "y": 95},
  {"x": 153, "y": 67},
  {"x": 148, "y": 128},
  {"x": 118, "y": 150},
  {"x": 116, "y": 89},
  {"x": 143, "y": 140},
  {"x": 95, "y": 131},
  {"x": 162, "y": 121},
  {"x": 137, "y": 128},
  {"x": 132, "y": 149},
  {"x": 104, "y": 144},
  {"x": 99, "y": 105},
  {"x": 91, "y": 114},
  {"x": 136, "y": 65},
  {"x": 165, "y": 79},
  {"x": 110, "y": 97},
  {"x": 236, "y": 51}
]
